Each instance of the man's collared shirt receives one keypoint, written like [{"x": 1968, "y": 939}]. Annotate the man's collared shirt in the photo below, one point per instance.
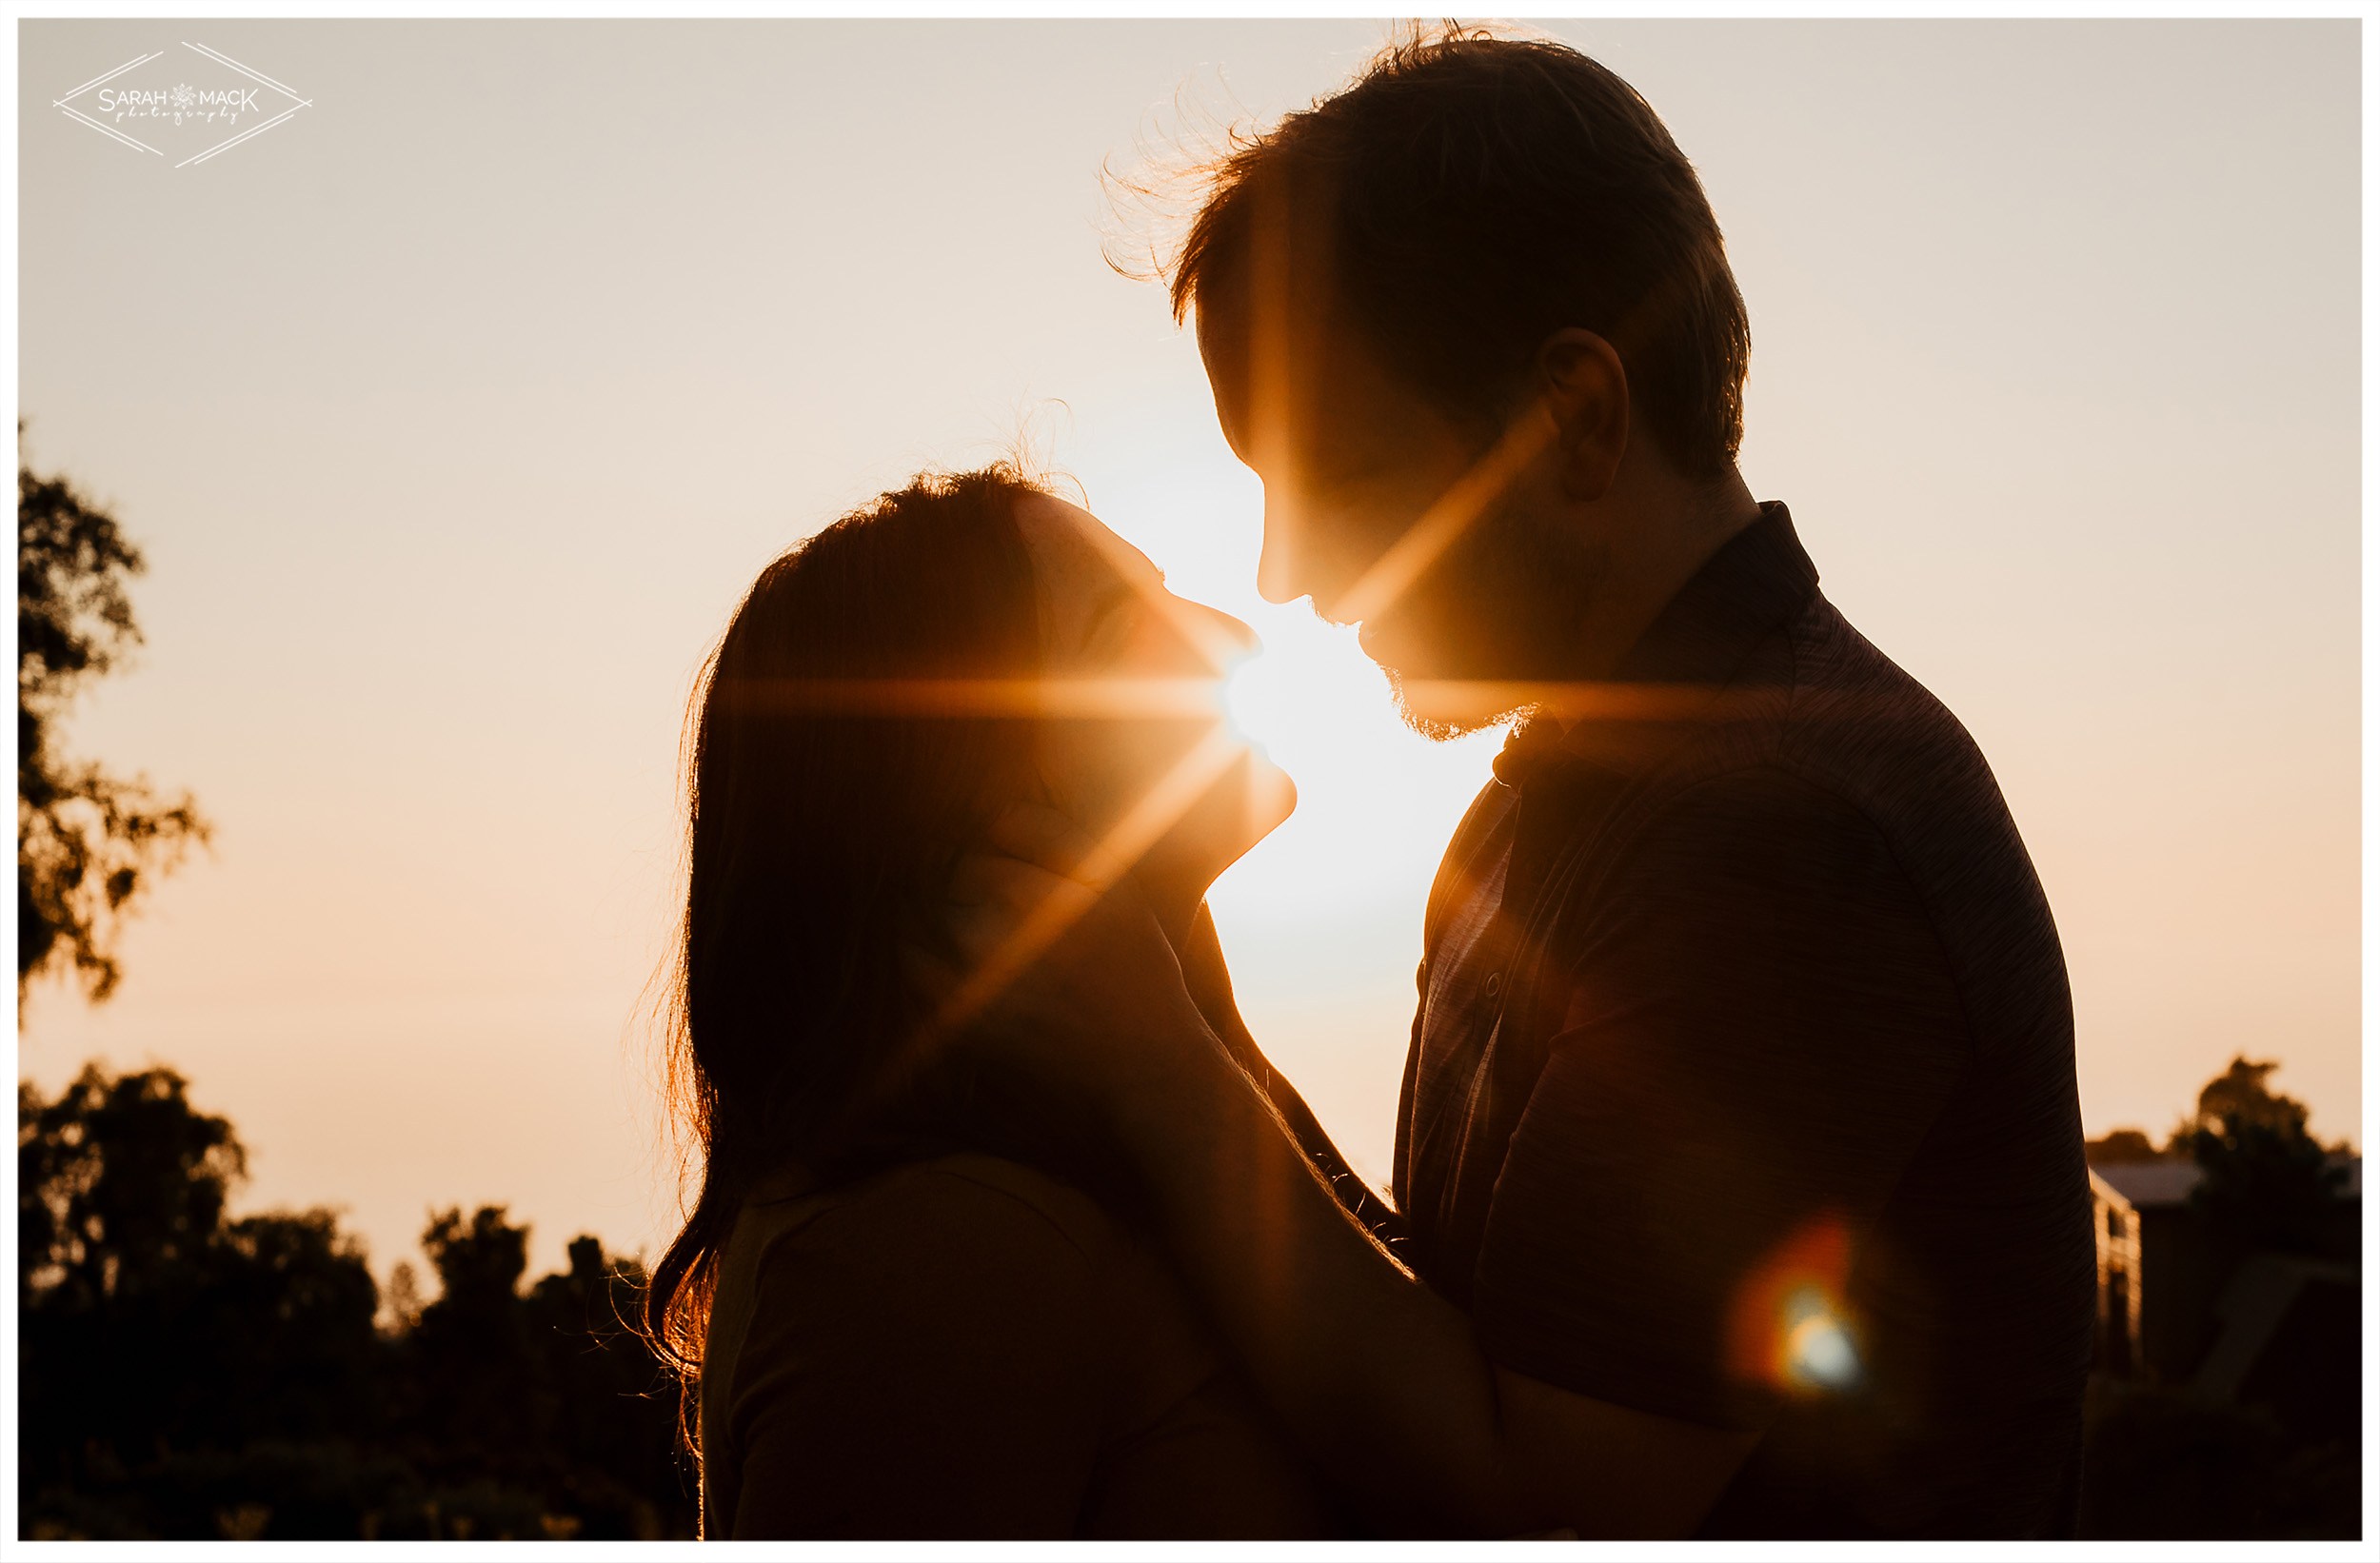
[{"x": 1743, "y": 1085}]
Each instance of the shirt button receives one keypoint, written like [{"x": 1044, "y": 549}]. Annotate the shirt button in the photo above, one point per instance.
[{"x": 1495, "y": 984}]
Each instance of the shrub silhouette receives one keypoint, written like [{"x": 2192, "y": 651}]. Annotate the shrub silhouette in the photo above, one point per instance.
[{"x": 190, "y": 1375}]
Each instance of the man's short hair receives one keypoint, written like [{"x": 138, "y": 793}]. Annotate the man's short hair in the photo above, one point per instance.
[{"x": 1470, "y": 195}]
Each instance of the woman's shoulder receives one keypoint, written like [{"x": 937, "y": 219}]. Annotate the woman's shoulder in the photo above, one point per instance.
[
  {"x": 995, "y": 1188},
  {"x": 961, "y": 1211}
]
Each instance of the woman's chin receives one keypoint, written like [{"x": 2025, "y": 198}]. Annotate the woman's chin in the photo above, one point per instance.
[
  {"x": 1255, "y": 797},
  {"x": 1272, "y": 797},
  {"x": 1246, "y": 803}
]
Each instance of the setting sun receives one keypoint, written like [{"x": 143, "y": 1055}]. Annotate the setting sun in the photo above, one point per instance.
[{"x": 1311, "y": 697}]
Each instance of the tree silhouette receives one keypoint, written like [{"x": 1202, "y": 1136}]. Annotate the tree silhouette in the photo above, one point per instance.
[
  {"x": 2238, "y": 1113},
  {"x": 184, "y": 1373},
  {"x": 88, "y": 842},
  {"x": 2118, "y": 1146},
  {"x": 120, "y": 1185},
  {"x": 2267, "y": 1183},
  {"x": 2240, "y": 1093},
  {"x": 149, "y": 1320},
  {"x": 472, "y": 1343}
]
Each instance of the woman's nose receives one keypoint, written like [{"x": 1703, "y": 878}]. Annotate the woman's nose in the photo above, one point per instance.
[
  {"x": 1244, "y": 639},
  {"x": 1219, "y": 638},
  {"x": 1234, "y": 637}
]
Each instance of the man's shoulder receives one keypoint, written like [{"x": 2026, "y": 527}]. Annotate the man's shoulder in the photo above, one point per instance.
[
  {"x": 1849, "y": 787},
  {"x": 1747, "y": 810},
  {"x": 1822, "y": 776},
  {"x": 1823, "y": 737},
  {"x": 1758, "y": 860},
  {"x": 1856, "y": 723}
]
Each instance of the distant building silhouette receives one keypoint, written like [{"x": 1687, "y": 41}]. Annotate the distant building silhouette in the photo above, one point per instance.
[
  {"x": 2188, "y": 1303},
  {"x": 2116, "y": 1221}
]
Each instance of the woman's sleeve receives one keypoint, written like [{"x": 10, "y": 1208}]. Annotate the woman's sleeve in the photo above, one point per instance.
[{"x": 924, "y": 1362}]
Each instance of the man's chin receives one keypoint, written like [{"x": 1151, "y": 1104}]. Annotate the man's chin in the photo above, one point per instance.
[
  {"x": 1437, "y": 704},
  {"x": 1422, "y": 706}
]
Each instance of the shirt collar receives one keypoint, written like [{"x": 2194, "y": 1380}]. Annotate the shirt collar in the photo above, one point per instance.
[{"x": 1759, "y": 579}]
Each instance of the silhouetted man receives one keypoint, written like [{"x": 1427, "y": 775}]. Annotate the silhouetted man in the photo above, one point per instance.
[{"x": 1739, "y": 1163}]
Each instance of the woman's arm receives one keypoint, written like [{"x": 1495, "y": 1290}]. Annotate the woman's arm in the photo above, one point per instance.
[
  {"x": 1382, "y": 1381},
  {"x": 1208, "y": 978}
]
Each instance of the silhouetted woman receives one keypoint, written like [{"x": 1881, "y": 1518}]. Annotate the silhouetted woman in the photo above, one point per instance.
[{"x": 905, "y": 1287}]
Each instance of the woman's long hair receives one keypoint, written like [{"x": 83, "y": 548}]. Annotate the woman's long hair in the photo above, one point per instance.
[{"x": 829, "y": 801}]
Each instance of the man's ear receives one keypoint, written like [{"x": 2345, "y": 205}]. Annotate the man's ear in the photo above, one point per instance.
[{"x": 1585, "y": 388}]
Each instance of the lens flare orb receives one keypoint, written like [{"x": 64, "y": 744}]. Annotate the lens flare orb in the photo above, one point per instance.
[{"x": 1819, "y": 1353}]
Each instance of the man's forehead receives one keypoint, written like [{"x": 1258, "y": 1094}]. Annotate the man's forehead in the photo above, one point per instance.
[
  {"x": 1276, "y": 358},
  {"x": 1236, "y": 324},
  {"x": 1306, "y": 376}
]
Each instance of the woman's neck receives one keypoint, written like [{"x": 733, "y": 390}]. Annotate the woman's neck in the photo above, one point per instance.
[{"x": 1176, "y": 907}]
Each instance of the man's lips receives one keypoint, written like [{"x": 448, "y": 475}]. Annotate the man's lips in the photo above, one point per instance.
[{"x": 1325, "y": 611}]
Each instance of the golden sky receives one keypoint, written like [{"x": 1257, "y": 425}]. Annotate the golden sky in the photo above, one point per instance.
[{"x": 455, "y": 413}]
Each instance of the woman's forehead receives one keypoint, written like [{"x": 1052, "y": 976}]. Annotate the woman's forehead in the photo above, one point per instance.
[{"x": 1067, "y": 540}]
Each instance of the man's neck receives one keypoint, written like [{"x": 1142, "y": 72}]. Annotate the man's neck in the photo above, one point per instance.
[{"x": 1648, "y": 559}]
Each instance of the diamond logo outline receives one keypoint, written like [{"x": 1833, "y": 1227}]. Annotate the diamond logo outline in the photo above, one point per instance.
[{"x": 64, "y": 102}]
